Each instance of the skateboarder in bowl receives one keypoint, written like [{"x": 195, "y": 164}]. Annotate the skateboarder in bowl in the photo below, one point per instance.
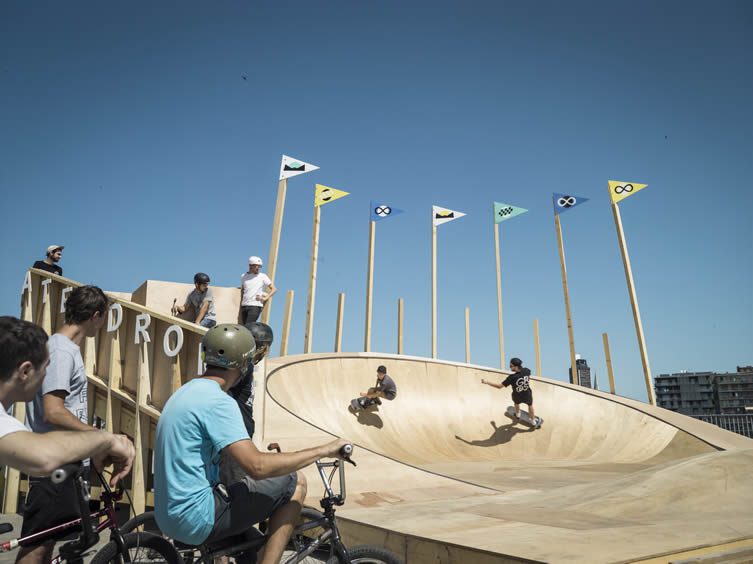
[
  {"x": 384, "y": 388},
  {"x": 521, "y": 391}
]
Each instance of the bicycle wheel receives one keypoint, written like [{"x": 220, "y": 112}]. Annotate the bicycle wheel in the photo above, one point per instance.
[
  {"x": 143, "y": 548},
  {"x": 366, "y": 554},
  {"x": 145, "y": 522}
]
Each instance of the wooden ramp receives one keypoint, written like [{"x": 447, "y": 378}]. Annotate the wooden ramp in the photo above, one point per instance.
[{"x": 444, "y": 476}]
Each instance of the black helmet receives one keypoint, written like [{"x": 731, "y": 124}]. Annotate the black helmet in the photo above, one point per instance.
[
  {"x": 263, "y": 337},
  {"x": 515, "y": 361},
  {"x": 201, "y": 278}
]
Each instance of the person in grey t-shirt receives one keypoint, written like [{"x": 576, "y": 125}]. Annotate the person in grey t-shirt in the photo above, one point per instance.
[
  {"x": 61, "y": 404},
  {"x": 385, "y": 388},
  {"x": 200, "y": 303}
]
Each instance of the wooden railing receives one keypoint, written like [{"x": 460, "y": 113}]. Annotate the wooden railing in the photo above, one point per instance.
[{"x": 135, "y": 362}]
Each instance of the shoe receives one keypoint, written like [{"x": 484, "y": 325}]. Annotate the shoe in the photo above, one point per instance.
[{"x": 537, "y": 422}]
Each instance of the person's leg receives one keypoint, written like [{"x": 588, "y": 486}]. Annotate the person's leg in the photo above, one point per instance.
[
  {"x": 208, "y": 323},
  {"x": 517, "y": 411},
  {"x": 253, "y": 314},
  {"x": 281, "y": 524},
  {"x": 244, "y": 315},
  {"x": 40, "y": 554},
  {"x": 531, "y": 412}
]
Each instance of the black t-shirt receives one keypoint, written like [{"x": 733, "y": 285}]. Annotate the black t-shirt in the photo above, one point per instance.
[
  {"x": 54, "y": 268},
  {"x": 243, "y": 393},
  {"x": 520, "y": 381}
]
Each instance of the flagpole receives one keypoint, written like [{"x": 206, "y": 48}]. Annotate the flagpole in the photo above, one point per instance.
[
  {"x": 634, "y": 304},
  {"x": 499, "y": 297},
  {"x": 573, "y": 375},
  {"x": 308, "y": 337},
  {"x": 369, "y": 286},
  {"x": 433, "y": 289},
  {"x": 274, "y": 244}
]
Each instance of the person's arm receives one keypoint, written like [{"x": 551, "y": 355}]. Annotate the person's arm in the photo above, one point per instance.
[
  {"x": 261, "y": 465},
  {"x": 202, "y": 311},
  {"x": 493, "y": 384},
  {"x": 40, "y": 454},
  {"x": 181, "y": 308},
  {"x": 55, "y": 413},
  {"x": 271, "y": 289}
]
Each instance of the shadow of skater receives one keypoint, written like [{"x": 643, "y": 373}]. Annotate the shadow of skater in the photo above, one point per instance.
[
  {"x": 368, "y": 417},
  {"x": 501, "y": 435}
]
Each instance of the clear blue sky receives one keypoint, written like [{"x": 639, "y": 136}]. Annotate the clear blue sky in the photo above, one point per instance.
[{"x": 128, "y": 134}]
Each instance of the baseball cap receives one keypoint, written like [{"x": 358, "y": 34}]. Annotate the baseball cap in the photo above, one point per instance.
[
  {"x": 254, "y": 260},
  {"x": 52, "y": 248}
]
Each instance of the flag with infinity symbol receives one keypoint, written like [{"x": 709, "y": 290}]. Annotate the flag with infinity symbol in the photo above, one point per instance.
[
  {"x": 325, "y": 195},
  {"x": 380, "y": 211},
  {"x": 503, "y": 212},
  {"x": 293, "y": 167},
  {"x": 564, "y": 202},
  {"x": 621, "y": 190}
]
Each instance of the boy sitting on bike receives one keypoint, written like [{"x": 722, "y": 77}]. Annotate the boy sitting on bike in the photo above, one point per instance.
[{"x": 198, "y": 423}]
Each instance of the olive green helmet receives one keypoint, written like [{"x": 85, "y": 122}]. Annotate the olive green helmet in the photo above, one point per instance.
[{"x": 228, "y": 346}]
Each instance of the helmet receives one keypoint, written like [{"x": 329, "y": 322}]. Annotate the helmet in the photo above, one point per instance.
[
  {"x": 228, "y": 346},
  {"x": 201, "y": 278},
  {"x": 263, "y": 337},
  {"x": 255, "y": 260},
  {"x": 516, "y": 361}
]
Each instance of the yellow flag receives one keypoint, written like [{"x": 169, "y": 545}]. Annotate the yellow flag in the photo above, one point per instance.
[
  {"x": 621, "y": 190},
  {"x": 325, "y": 195}
]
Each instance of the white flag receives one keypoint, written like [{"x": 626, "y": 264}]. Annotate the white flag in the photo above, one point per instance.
[
  {"x": 443, "y": 215},
  {"x": 293, "y": 167}
]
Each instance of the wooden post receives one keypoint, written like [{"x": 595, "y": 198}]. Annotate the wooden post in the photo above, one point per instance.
[
  {"x": 499, "y": 298},
  {"x": 634, "y": 304},
  {"x": 286, "y": 323},
  {"x": 467, "y": 335},
  {"x": 608, "y": 356},
  {"x": 309, "y": 335},
  {"x": 563, "y": 267},
  {"x": 369, "y": 286},
  {"x": 339, "y": 327},
  {"x": 400, "y": 314},
  {"x": 537, "y": 345},
  {"x": 433, "y": 289},
  {"x": 274, "y": 244},
  {"x": 141, "y": 429}
]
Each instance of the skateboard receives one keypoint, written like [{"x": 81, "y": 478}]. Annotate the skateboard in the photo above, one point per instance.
[
  {"x": 524, "y": 417},
  {"x": 359, "y": 404}
]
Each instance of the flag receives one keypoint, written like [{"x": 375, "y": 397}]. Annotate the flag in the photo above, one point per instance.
[
  {"x": 293, "y": 167},
  {"x": 564, "y": 202},
  {"x": 443, "y": 215},
  {"x": 506, "y": 211},
  {"x": 621, "y": 190},
  {"x": 380, "y": 210},
  {"x": 325, "y": 195}
]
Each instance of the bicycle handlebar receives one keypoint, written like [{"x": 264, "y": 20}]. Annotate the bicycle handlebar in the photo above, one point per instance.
[{"x": 65, "y": 472}]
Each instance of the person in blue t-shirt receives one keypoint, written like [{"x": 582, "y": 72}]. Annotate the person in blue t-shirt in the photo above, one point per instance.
[{"x": 197, "y": 424}]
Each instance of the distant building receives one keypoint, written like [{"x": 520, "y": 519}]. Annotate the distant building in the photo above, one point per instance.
[
  {"x": 583, "y": 371},
  {"x": 735, "y": 391}
]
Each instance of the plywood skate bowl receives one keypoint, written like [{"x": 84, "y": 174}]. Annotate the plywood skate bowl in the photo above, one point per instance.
[{"x": 444, "y": 476}]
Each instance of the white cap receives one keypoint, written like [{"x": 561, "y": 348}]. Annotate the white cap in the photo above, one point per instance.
[
  {"x": 254, "y": 260},
  {"x": 52, "y": 248}
]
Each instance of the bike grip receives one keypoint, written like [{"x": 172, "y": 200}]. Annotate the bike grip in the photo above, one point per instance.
[
  {"x": 61, "y": 474},
  {"x": 346, "y": 450}
]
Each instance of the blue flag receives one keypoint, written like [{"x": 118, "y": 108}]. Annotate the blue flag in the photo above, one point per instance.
[
  {"x": 564, "y": 202},
  {"x": 380, "y": 211}
]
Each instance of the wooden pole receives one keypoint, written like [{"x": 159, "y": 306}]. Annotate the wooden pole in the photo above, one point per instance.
[
  {"x": 286, "y": 323},
  {"x": 499, "y": 298},
  {"x": 308, "y": 337},
  {"x": 400, "y": 314},
  {"x": 339, "y": 326},
  {"x": 608, "y": 356},
  {"x": 369, "y": 286},
  {"x": 537, "y": 345},
  {"x": 274, "y": 244},
  {"x": 467, "y": 335},
  {"x": 433, "y": 289},
  {"x": 634, "y": 304},
  {"x": 573, "y": 373}
]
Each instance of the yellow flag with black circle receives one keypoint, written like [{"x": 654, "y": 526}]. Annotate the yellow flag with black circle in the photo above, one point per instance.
[
  {"x": 620, "y": 190},
  {"x": 325, "y": 195}
]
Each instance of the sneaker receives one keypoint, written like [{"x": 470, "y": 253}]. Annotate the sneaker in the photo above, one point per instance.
[{"x": 537, "y": 422}]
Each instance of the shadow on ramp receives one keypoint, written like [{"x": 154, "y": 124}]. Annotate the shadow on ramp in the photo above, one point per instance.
[
  {"x": 500, "y": 436},
  {"x": 368, "y": 418}
]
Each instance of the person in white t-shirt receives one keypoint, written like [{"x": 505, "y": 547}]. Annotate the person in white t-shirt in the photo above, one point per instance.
[
  {"x": 23, "y": 365},
  {"x": 256, "y": 289}
]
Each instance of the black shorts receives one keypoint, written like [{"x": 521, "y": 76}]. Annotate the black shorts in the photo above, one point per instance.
[
  {"x": 249, "y": 502},
  {"x": 523, "y": 397},
  {"x": 250, "y": 314},
  {"x": 49, "y": 505}
]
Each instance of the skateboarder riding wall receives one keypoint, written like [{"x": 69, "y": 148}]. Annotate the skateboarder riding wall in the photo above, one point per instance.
[
  {"x": 385, "y": 388},
  {"x": 521, "y": 391}
]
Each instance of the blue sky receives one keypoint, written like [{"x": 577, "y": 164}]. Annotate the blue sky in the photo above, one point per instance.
[{"x": 129, "y": 135}]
